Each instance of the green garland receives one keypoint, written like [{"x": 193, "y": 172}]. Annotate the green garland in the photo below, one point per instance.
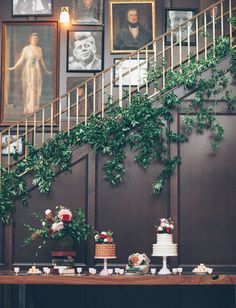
[{"x": 141, "y": 125}]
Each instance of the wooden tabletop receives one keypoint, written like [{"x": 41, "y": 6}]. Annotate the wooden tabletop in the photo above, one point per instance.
[{"x": 118, "y": 280}]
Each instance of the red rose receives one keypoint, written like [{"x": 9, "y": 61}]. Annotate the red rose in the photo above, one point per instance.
[
  {"x": 65, "y": 217},
  {"x": 103, "y": 236},
  {"x": 168, "y": 230}
]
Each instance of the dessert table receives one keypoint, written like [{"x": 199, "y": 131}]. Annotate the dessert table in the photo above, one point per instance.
[{"x": 8, "y": 278}]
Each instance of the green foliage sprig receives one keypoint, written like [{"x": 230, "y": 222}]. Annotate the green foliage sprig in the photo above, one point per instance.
[{"x": 142, "y": 125}]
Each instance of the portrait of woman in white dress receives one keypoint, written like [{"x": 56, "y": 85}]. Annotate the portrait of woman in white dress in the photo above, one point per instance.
[
  {"x": 33, "y": 64},
  {"x": 30, "y": 61}
]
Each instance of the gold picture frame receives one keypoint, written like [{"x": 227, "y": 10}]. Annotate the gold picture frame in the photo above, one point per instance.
[{"x": 132, "y": 24}]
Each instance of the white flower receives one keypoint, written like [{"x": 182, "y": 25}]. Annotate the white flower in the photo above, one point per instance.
[
  {"x": 163, "y": 224},
  {"x": 105, "y": 240},
  {"x": 57, "y": 226},
  {"x": 48, "y": 212},
  {"x": 104, "y": 233},
  {"x": 160, "y": 228},
  {"x": 167, "y": 225},
  {"x": 96, "y": 237},
  {"x": 163, "y": 220},
  {"x": 43, "y": 223},
  {"x": 171, "y": 226}
]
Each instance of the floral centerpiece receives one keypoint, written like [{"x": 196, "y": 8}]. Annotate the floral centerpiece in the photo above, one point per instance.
[
  {"x": 63, "y": 224},
  {"x": 166, "y": 226},
  {"x": 105, "y": 237},
  {"x": 138, "y": 262}
]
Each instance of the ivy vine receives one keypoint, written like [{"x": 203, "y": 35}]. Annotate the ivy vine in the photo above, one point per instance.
[{"x": 142, "y": 125}]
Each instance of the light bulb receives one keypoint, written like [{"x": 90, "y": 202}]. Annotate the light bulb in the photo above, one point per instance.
[{"x": 65, "y": 16}]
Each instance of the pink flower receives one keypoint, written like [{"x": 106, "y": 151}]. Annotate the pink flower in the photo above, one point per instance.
[
  {"x": 134, "y": 260},
  {"x": 109, "y": 239},
  {"x": 65, "y": 215},
  {"x": 57, "y": 226},
  {"x": 48, "y": 212}
]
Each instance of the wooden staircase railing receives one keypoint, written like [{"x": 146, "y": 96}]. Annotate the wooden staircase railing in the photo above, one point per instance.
[{"x": 70, "y": 109}]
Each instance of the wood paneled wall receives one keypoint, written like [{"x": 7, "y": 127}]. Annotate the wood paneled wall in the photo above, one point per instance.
[{"x": 200, "y": 197}]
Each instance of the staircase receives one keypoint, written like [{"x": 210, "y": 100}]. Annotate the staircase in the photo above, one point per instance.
[{"x": 69, "y": 110}]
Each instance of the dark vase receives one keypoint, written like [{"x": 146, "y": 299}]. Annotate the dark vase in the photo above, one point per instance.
[{"x": 63, "y": 244}]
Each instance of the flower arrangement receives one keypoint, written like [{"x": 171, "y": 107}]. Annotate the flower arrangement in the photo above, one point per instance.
[
  {"x": 166, "y": 226},
  {"x": 63, "y": 224},
  {"x": 137, "y": 259},
  {"x": 105, "y": 237}
]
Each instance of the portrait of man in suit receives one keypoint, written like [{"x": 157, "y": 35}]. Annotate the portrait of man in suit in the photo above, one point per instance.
[
  {"x": 83, "y": 53},
  {"x": 132, "y": 25}
]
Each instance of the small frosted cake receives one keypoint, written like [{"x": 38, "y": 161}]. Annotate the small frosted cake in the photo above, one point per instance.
[
  {"x": 164, "y": 245},
  {"x": 138, "y": 263},
  {"x": 104, "y": 246}
]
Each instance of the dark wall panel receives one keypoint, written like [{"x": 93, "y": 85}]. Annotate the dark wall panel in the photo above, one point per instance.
[
  {"x": 130, "y": 210},
  {"x": 207, "y": 199},
  {"x": 1, "y": 243},
  {"x": 69, "y": 190}
]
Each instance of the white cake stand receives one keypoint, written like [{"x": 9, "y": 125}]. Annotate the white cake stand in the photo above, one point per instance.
[
  {"x": 104, "y": 271},
  {"x": 164, "y": 270}
]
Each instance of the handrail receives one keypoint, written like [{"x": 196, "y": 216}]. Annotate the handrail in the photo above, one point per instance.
[{"x": 65, "y": 110}]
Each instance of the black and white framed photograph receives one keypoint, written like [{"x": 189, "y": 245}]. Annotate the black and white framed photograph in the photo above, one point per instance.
[
  {"x": 32, "y": 7},
  {"x": 134, "y": 72},
  {"x": 85, "y": 50},
  {"x": 87, "y": 12},
  {"x": 175, "y": 17},
  {"x": 15, "y": 146},
  {"x": 132, "y": 24}
]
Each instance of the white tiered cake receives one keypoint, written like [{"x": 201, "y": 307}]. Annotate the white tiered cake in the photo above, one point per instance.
[{"x": 164, "y": 247}]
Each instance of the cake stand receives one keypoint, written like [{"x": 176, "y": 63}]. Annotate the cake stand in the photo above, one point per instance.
[
  {"x": 104, "y": 271},
  {"x": 164, "y": 270}
]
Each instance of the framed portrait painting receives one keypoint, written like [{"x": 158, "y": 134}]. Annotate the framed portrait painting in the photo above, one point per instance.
[
  {"x": 29, "y": 68},
  {"x": 175, "y": 17},
  {"x": 134, "y": 72},
  {"x": 132, "y": 24},
  {"x": 32, "y": 7},
  {"x": 84, "y": 50},
  {"x": 88, "y": 12}
]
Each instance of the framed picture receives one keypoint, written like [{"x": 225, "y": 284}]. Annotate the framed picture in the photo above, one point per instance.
[
  {"x": 74, "y": 83},
  {"x": 132, "y": 24},
  {"x": 13, "y": 145},
  {"x": 31, "y": 7},
  {"x": 130, "y": 72},
  {"x": 29, "y": 68},
  {"x": 84, "y": 50},
  {"x": 87, "y": 12},
  {"x": 175, "y": 17}
]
